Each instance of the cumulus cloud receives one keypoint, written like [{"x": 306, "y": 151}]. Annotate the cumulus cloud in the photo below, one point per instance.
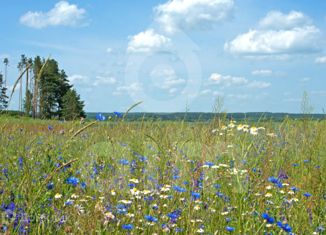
[
  {"x": 262, "y": 72},
  {"x": 177, "y": 15},
  {"x": 278, "y": 20},
  {"x": 320, "y": 60},
  {"x": 77, "y": 79},
  {"x": 278, "y": 34},
  {"x": 166, "y": 78},
  {"x": 147, "y": 41},
  {"x": 228, "y": 81},
  {"x": 63, "y": 13}
]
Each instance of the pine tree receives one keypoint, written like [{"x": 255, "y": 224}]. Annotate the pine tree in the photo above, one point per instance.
[
  {"x": 3, "y": 94},
  {"x": 72, "y": 106}
]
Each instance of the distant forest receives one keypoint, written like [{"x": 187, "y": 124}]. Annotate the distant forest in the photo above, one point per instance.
[{"x": 203, "y": 117}]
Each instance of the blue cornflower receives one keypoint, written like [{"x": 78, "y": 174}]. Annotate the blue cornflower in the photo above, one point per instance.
[
  {"x": 273, "y": 180},
  {"x": 83, "y": 185},
  {"x": 179, "y": 189},
  {"x": 209, "y": 164},
  {"x": 195, "y": 195},
  {"x": 151, "y": 218},
  {"x": 72, "y": 181},
  {"x": 124, "y": 162},
  {"x": 122, "y": 209},
  {"x": 175, "y": 214},
  {"x": 127, "y": 226},
  {"x": 20, "y": 162},
  {"x": 286, "y": 227},
  {"x": 100, "y": 117},
  {"x": 50, "y": 186},
  {"x": 294, "y": 189},
  {"x": 118, "y": 114},
  {"x": 230, "y": 229},
  {"x": 269, "y": 219},
  {"x": 69, "y": 202},
  {"x": 50, "y": 128},
  {"x": 307, "y": 194}
]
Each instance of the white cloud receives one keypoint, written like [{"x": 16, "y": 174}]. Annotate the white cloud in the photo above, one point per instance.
[
  {"x": 77, "y": 79},
  {"x": 63, "y": 13},
  {"x": 262, "y": 72},
  {"x": 101, "y": 80},
  {"x": 292, "y": 33},
  {"x": 147, "y": 41},
  {"x": 278, "y": 20},
  {"x": 321, "y": 60},
  {"x": 177, "y": 15},
  {"x": 166, "y": 78},
  {"x": 228, "y": 80}
]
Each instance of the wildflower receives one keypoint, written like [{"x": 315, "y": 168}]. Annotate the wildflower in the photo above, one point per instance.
[
  {"x": 118, "y": 114},
  {"x": 175, "y": 214},
  {"x": 127, "y": 227},
  {"x": 58, "y": 196},
  {"x": 50, "y": 128},
  {"x": 268, "y": 195},
  {"x": 100, "y": 117},
  {"x": 72, "y": 181},
  {"x": 50, "y": 186},
  {"x": 124, "y": 162},
  {"x": 69, "y": 202},
  {"x": 150, "y": 218},
  {"x": 195, "y": 195},
  {"x": 286, "y": 227},
  {"x": 253, "y": 130},
  {"x": 200, "y": 230},
  {"x": 307, "y": 195},
  {"x": 179, "y": 189},
  {"x": 229, "y": 229},
  {"x": 135, "y": 181},
  {"x": 83, "y": 185},
  {"x": 269, "y": 219}
]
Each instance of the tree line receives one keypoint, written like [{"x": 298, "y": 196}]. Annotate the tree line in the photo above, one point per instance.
[{"x": 47, "y": 91}]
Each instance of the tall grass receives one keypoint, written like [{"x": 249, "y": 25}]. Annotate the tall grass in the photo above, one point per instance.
[{"x": 153, "y": 177}]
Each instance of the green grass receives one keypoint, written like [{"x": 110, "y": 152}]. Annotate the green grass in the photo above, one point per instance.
[{"x": 234, "y": 191}]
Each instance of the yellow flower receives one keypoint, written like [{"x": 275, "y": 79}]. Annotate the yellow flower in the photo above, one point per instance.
[
  {"x": 135, "y": 181},
  {"x": 58, "y": 196}
]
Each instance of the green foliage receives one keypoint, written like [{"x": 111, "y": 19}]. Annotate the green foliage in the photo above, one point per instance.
[
  {"x": 72, "y": 106},
  {"x": 3, "y": 95}
]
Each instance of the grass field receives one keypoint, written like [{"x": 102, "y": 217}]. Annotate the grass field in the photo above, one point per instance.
[{"x": 117, "y": 177}]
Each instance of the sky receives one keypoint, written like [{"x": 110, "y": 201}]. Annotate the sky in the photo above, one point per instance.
[{"x": 176, "y": 55}]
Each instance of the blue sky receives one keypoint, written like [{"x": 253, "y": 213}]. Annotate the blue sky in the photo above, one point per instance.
[{"x": 178, "y": 54}]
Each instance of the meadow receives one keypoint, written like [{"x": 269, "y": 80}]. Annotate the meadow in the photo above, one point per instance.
[{"x": 157, "y": 177}]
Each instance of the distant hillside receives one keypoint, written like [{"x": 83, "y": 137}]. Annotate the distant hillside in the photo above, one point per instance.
[{"x": 197, "y": 116}]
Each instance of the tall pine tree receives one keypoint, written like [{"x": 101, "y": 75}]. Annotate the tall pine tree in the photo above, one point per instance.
[{"x": 72, "y": 106}]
